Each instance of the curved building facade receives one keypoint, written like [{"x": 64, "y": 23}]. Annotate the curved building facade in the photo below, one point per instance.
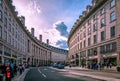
[
  {"x": 94, "y": 38},
  {"x": 20, "y": 45}
]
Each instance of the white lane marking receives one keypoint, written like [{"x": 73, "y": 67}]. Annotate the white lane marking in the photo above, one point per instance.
[
  {"x": 45, "y": 69},
  {"x": 42, "y": 73}
]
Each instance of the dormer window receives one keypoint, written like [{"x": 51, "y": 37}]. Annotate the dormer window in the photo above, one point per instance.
[
  {"x": 95, "y": 17},
  {"x": 102, "y": 11},
  {"x": 94, "y": 2},
  {"x": 80, "y": 17},
  {"x": 88, "y": 8},
  {"x": 112, "y": 3},
  {"x": 84, "y": 13}
]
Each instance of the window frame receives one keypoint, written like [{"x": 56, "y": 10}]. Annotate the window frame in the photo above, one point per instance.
[
  {"x": 112, "y": 16},
  {"x": 112, "y": 3},
  {"x": 112, "y": 32},
  {"x": 102, "y": 35},
  {"x": 102, "y": 22}
]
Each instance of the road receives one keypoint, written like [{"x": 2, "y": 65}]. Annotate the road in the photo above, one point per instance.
[{"x": 48, "y": 74}]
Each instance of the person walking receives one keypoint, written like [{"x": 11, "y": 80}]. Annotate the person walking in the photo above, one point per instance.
[{"x": 8, "y": 72}]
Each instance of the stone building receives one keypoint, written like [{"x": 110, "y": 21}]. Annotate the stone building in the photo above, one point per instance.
[
  {"x": 94, "y": 38},
  {"x": 20, "y": 45}
]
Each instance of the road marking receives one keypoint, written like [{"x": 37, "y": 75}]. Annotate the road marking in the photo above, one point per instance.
[
  {"x": 45, "y": 69},
  {"x": 42, "y": 73}
]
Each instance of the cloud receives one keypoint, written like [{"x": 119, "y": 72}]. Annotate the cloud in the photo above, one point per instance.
[
  {"x": 62, "y": 28},
  {"x": 62, "y": 44},
  {"x": 57, "y": 35}
]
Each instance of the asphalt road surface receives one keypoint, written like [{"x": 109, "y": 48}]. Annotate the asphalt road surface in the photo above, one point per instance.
[{"x": 47, "y": 74}]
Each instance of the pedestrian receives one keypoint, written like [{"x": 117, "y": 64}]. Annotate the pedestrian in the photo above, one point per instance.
[
  {"x": 20, "y": 69},
  {"x": 8, "y": 72},
  {"x": 15, "y": 69},
  {"x": 110, "y": 65},
  {"x": 12, "y": 69}
]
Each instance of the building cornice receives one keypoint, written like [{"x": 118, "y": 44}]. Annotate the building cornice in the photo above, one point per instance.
[
  {"x": 34, "y": 39},
  {"x": 83, "y": 19}
]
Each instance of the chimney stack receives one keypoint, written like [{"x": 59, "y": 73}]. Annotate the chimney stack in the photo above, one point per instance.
[
  {"x": 40, "y": 38},
  {"x": 47, "y": 41},
  {"x": 22, "y": 19},
  {"x": 32, "y": 31}
]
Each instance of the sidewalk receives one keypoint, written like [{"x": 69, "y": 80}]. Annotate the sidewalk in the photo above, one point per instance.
[
  {"x": 21, "y": 77},
  {"x": 112, "y": 70},
  {"x": 99, "y": 74}
]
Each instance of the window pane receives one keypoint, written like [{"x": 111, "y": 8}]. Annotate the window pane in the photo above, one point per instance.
[
  {"x": 89, "y": 41},
  {"x": 112, "y": 3},
  {"x": 102, "y": 11},
  {"x": 95, "y": 38},
  {"x": 102, "y": 35},
  {"x": 102, "y": 22},
  {"x": 112, "y": 31},
  {"x": 114, "y": 47},
  {"x": 95, "y": 27},
  {"x": 112, "y": 16}
]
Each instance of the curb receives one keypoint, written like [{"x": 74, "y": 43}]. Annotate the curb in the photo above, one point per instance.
[
  {"x": 96, "y": 77},
  {"x": 21, "y": 77}
]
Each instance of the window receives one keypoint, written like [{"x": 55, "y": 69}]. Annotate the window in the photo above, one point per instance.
[
  {"x": 1, "y": 15},
  {"x": 9, "y": 39},
  {"x": 89, "y": 41},
  {"x": 102, "y": 11},
  {"x": 112, "y": 16},
  {"x": 102, "y": 22},
  {"x": 89, "y": 31},
  {"x": 13, "y": 31},
  {"x": 5, "y": 24},
  {"x": 112, "y": 3},
  {"x": 95, "y": 17},
  {"x": 88, "y": 22},
  {"x": 102, "y": 35},
  {"x": 94, "y": 27},
  {"x": 108, "y": 48},
  {"x": 80, "y": 36},
  {"x": 81, "y": 45},
  {"x": 84, "y": 43},
  {"x": 0, "y": 32},
  {"x": 5, "y": 33},
  {"x": 94, "y": 51},
  {"x": 84, "y": 34},
  {"x": 112, "y": 30},
  {"x": 95, "y": 39},
  {"x": 9, "y": 27},
  {"x": 89, "y": 52},
  {"x": 114, "y": 47},
  {"x": 102, "y": 49}
]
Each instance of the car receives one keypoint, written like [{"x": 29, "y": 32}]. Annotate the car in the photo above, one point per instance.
[
  {"x": 55, "y": 65},
  {"x": 61, "y": 66}
]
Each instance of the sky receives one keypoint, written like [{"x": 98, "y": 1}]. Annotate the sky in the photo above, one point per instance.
[{"x": 53, "y": 19}]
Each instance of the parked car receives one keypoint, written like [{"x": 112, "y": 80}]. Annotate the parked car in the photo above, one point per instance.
[
  {"x": 61, "y": 66},
  {"x": 55, "y": 65}
]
